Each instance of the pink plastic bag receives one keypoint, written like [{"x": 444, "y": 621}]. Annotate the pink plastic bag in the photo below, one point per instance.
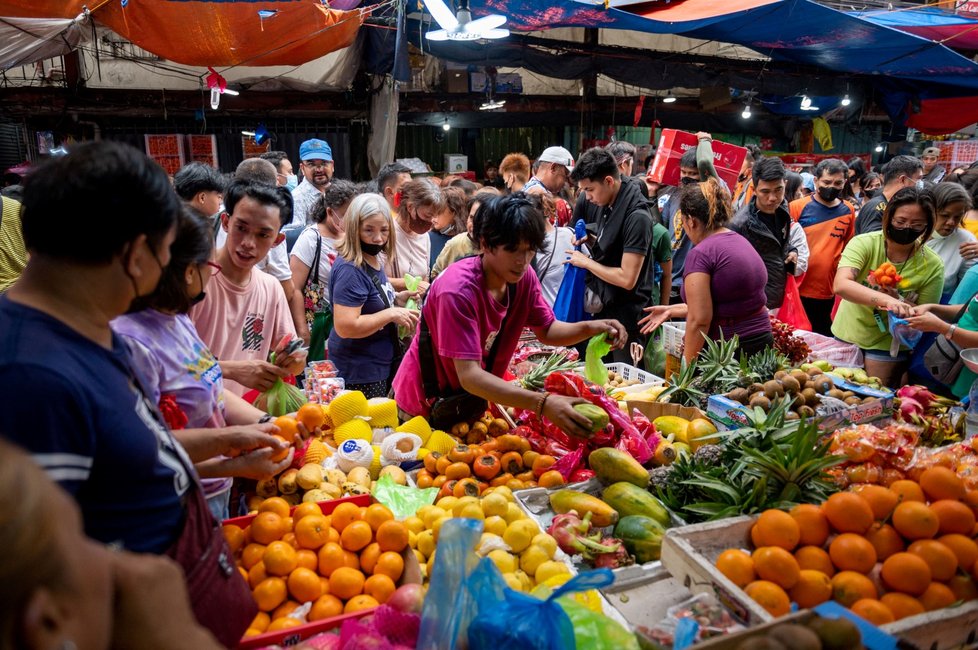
[
  {"x": 792, "y": 312},
  {"x": 570, "y": 463}
]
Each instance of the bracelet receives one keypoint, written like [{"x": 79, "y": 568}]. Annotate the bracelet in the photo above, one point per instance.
[
  {"x": 949, "y": 334},
  {"x": 543, "y": 402},
  {"x": 265, "y": 418}
]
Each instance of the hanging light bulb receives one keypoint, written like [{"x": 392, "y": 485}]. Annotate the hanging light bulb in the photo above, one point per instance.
[
  {"x": 879, "y": 148},
  {"x": 845, "y": 100},
  {"x": 215, "y": 98},
  {"x": 806, "y": 102},
  {"x": 746, "y": 114},
  {"x": 668, "y": 99},
  {"x": 446, "y": 126}
]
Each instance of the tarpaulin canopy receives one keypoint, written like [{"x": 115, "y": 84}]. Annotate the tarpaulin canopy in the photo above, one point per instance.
[
  {"x": 26, "y": 40},
  {"x": 214, "y": 32},
  {"x": 954, "y": 30}
]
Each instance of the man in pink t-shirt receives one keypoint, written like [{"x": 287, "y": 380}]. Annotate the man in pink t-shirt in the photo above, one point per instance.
[
  {"x": 245, "y": 312},
  {"x": 479, "y": 299}
]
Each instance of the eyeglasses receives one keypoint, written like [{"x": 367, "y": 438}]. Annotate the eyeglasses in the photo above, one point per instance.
[
  {"x": 322, "y": 164},
  {"x": 215, "y": 267}
]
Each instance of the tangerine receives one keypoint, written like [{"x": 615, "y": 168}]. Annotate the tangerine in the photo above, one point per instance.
[
  {"x": 312, "y": 531},
  {"x": 307, "y": 559},
  {"x": 326, "y": 606},
  {"x": 848, "y": 513},
  {"x": 306, "y": 509},
  {"x": 234, "y": 536},
  {"x": 907, "y": 490},
  {"x": 813, "y": 588},
  {"x": 953, "y": 517},
  {"x": 284, "y": 609},
  {"x": 851, "y": 552},
  {"x": 380, "y": 587},
  {"x": 774, "y": 564},
  {"x": 902, "y": 605},
  {"x": 356, "y": 536},
  {"x": 914, "y": 520},
  {"x": 392, "y": 536},
  {"x": 937, "y": 596},
  {"x": 376, "y": 514},
  {"x": 769, "y": 596},
  {"x": 311, "y": 416},
  {"x": 280, "y": 559},
  {"x": 281, "y": 455},
  {"x": 331, "y": 558},
  {"x": 368, "y": 557},
  {"x": 812, "y": 524},
  {"x": 345, "y": 583},
  {"x": 287, "y": 427},
  {"x": 849, "y": 587},
  {"x": 390, "y": 564},
  {"x": 284, "y": 623},
  {"x": 351, "y": 559},
  {"x": 270, "y": 593},
  {"x": 278, "y": 505},
  {"x": 942, "y": 561},
  {"x": 963, "y": 587},
  {"x": 941, "y": 483},
  {"x": 251, "y": 555},
  {"x": 304, "y": 585},
  {"x": 359, "y": 603},
  {"x": 881, "y": 500},
  {"x": 814, "y": 558},
  {"x": 873, "y": 611},
  {"x": 906, "y": 572},
  {"x": 963, "y": 547},
  {"x": 344, "y": 515},
  {"x": 885, "y": 540},
  {"x": 267, "y": 527},
  {"x": 256, "y": 574},
  {"x": 260, "y": 622},
  {"x": 777, "y": 528},
  {"x": 738, "y": 566}
]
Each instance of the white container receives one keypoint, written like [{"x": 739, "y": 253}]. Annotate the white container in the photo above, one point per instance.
[{"x": 456, "y": 162}]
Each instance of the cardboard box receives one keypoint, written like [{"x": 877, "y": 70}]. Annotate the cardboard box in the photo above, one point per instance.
[
  {"x": 456, "y": 78},
  {"x": 455, "y": 163},
  {"x": 506, "y": 82},
  {"x": 727, "y": 158},
  {"x": 653, "y": 410}
]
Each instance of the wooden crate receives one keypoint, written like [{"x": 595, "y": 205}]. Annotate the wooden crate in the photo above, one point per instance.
[{"x": 689, "y": 553}]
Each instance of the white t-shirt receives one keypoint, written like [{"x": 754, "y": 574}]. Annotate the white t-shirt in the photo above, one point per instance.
[
  {"x": 550, "y": 268},
  {"x": 412, "y": 255},
  {"x": 276, "y": 263},
  {"x": 948, "y": 248},
  {"x": 305, "y": 250},
  {"x": 303, "y": 197}
]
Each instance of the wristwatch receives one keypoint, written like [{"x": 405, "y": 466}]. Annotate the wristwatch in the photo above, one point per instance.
[
  {"x": 949, "y": 334},
  {"x": 266, "y": 418}
]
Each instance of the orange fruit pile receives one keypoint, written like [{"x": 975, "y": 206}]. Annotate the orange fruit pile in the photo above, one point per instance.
[
  {"x": 884, "y": 552},
  {"x": 343, "y": 562}
]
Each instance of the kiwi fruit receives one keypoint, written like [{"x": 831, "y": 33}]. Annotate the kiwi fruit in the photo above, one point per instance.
[
  {"x": 800, "y": 376},
  {"x": 790, "y": 384},
  {"x": 815, "y": 371},
  {"x": 823, "y": 384},
  {"x": 779, "y": 375},
  {"x": 739, "y": 395},
  {"x": 755, "y": 388},
  {"x": 808, "y": 384},
  {"x": 811, "y": 397},
  {"x": 852, "y": 401},
  {"x": 836, "y": 633},
  {"x": 835, "y": 393},
  {"x": 799, "y": 401},
  {"x": 791, "y": 416},
  {"x": 806, "y": 412},
  {"x": 847, "y": 394},
  {"x": 773, "y": 389},
  {"x": 761, "y": 643},
  {"x": 760, "y": 399},
  {"x": 796, "y": 637}
]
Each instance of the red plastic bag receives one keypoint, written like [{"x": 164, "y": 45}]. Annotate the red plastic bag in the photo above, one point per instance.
[
  {"x": 792, "y": 312},
  {"x": 570, "y": 463}
]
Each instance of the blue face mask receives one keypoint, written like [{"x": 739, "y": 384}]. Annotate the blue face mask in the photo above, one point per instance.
[{"x": 291, "y": 182}]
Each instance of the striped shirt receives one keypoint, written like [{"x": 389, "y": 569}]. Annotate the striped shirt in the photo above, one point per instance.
[{"x": 13, "y": 253}]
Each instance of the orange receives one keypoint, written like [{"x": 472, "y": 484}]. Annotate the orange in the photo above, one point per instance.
[
  {"x": 813, "y": 588},
  {"x": 284, "y": 609},
  {"x": 312, "y": 531},
  {"x": 280, "y": 559},
  {"x": 941, "y": 483},
  {"x": 902, "y": 605},
  {"x": 235, "y": 537},
  {"x": 324, "y": 583},
  {"x": 962, "y": 546},
  {"x": 256, "y": 574},
  {"x": 392, "y": 536},
  {"x": 289, "y": 538},
  {"x": 306, "y": 509},
  {"x": 368, "y": 557},
  {"x": 776, "y": 565},
  {"x": 345, "y": 583},
  {"x": 737, "y": 566},
  {"x": 344, "y": 515},
  {"x": 963, "y": 587},
  {"x": 391, "y": 565},
  {"x": 252, "y": 632},
  {"x": 848, "y": 513},
  {"x": 282, "y": 454},
  {"x": 287, "y": 429},
  {"x": 942, "y": 561},
  {"x": 812, "y": 524},
  {"x": 267, "y": 527},
  {"x": 351, "y": 560},
  {"x": 777, "y": 528},
  {"x": 937, "y": 596},
  {"x": 906, "y": 572},
  {"x": 914, "y": 520},
  {"x": 331, "y": 558},
  {"x": 359, "y": 603},
  {"x": 311, "y": 416},
  {"x": 380, "y": 587},
  {"x": 356, "y": 536},
  {"x": 326, "y": 606},
  {"x": 243, "y": 573},
  {"x": 304, "y": 585},
  {"x": 307, "y": 559},
  {"x": 270, "y": 593},
  {"x": 551, "y": 478},
  {"x": 885, "y": 540},
  {"x": 769, "y": 596},
  {"x": 849, "y": 586},
  {"x": 851, "y": 552},
  {"x": 284, "y": 623},
  {"x": 260, "y": 622},
  {"x": 753, "y": 537},
  {"x": 814, "y": 558},
  {"x": 873, "y": 611},
  {"x": 376, "y": 515},
  {"x": 953, "y": 517},
  {"x": 907, "y": 490},
  {"x": 881, "y": 500},
  {"x": 252, "y": 554},
  {"x": 278, "y": 505}
]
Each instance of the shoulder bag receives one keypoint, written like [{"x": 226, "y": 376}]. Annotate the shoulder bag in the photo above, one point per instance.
[
  {"x": 400, "y": 345},
  {"x": 319, "y": 317},
  {"x": 943, "y": 357},
  {"x": 448, "y": 407}
]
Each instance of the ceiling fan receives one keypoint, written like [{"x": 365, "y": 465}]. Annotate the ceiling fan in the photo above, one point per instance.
[{"x": 460, "y": 26}]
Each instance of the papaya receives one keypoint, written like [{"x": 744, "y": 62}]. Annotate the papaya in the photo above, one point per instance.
[
  {"x": 642, "y": 537},
  {"x": 612, "y": 466},
  {"x": 672, "y": 425},
  {"x": 699, "y": 432},
  {"x": 598, "y": 416},
  {"x": 602, "y": 514},
  {"x": 628, "y": 500}
]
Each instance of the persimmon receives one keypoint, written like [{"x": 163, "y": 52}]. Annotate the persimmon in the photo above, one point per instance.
[{"x": 486, "y": 467}]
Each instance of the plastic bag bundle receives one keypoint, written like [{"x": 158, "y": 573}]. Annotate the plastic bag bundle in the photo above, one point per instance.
[
  {"x": 281, "y": 399},
  {"x": 354, "y": 453}
]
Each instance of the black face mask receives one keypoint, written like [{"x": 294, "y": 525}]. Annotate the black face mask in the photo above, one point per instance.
[
  {"x": 199, "y": 298},
  {"x": 871, "y": 194},
  {"x": 371, "y": 249},
  {"x": 829, "y": 194},
  {"x": 686, "y": 180},
  {"x": 903, "y": 236}
]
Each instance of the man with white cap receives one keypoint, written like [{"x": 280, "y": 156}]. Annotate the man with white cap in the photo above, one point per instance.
[
  {"x": 932, "y": 171},
  {"x": 317, "y": 173},
  {"x": 551, "y": 171}
]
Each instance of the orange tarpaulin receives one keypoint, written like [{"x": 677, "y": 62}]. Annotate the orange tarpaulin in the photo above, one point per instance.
[{"x": 214, "y": 32}]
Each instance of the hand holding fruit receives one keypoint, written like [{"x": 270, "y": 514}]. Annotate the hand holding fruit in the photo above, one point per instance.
[
  {"x": 560, "y": 411},
  {"x": 244, "y": 438},
  {"x": 258, "y": 465}
]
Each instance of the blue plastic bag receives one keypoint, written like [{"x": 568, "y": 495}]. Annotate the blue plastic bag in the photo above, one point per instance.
[
  {"x": 449, "y": 606},
  {"x": 902, "y": 332},
  {"x": 569, "y": 303}
]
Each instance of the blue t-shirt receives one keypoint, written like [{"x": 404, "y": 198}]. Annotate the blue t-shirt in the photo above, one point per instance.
[
  {"x": 367, "y": 360},
  {"x": 76, "y": 408},
  {"x": 681, "y": 244},
  {"x": 438, "y": 242}
]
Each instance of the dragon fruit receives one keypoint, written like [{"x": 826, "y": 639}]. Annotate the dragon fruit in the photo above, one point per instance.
[
  {"x": 612, "y": 559},
  {"x": 574, "y": 536}
]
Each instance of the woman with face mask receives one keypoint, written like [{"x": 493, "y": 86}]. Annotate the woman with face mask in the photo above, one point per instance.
[
  {"x": 447, "y": 223},
  {"x": 180, "y": 372},
  {"x": 366, "y": 315},
  {"x": 862, "y": 318},
  {"x": 957, "y": 247}
]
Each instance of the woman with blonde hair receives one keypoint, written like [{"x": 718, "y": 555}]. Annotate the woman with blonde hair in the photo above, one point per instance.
[
  {"x": 366, "y": 315},
  {"x": 723, "y": 278}
]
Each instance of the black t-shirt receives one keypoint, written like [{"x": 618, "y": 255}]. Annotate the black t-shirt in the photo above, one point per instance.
[{"x": 870, "y": 218}]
